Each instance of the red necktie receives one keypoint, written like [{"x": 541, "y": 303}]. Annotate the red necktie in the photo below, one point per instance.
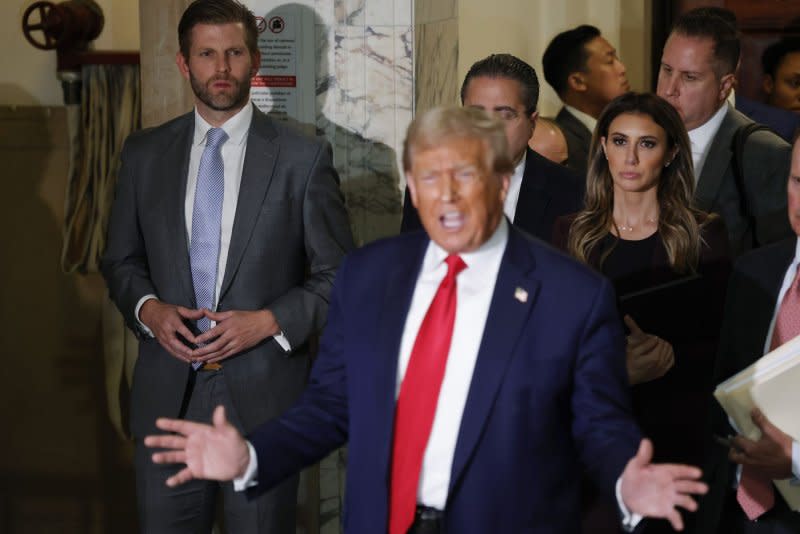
[
  {"x": 755, "y": 493},
  {"x": 419, "y": 394}
]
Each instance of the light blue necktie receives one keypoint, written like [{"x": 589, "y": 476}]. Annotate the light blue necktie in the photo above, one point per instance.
[{"x": 206, "y": 224}]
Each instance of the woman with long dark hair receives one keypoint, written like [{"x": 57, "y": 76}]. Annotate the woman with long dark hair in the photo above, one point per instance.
[{"x": 668, "y": 261}]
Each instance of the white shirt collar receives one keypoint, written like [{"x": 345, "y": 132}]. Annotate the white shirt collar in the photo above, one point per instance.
[
  {"x": 586, "y": 119},
  {"x": 236, "y": 127},
  {"x": 493, "y": 247},
  {"x": 701, "y": 138},
  {"x": 514, "y": 187}
]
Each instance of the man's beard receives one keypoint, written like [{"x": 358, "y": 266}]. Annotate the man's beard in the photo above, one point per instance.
[{"x": 224, "y": 101}]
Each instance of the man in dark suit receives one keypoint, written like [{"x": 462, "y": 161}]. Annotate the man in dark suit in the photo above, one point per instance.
[
  {"x": 760, "y": 286},
  {"x": 586, "y": 73},
  {"x": 784, "y": 123},
  {"x": 697, "y": 72},
  {"x": 472, "y": 369},
  {"x": 225, "y": 235},
  {"x": 540, "y": 190}
]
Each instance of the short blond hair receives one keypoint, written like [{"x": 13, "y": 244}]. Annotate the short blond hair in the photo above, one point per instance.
[{"x": 433, "y": 127}]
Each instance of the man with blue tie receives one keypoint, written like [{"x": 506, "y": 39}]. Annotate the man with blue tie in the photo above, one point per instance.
[
  {"x": 225, "y": 235},
  {"x": 472, "y": 370}
]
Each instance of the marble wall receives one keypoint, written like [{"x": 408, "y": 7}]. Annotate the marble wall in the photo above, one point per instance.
[
  {"x": 436, "y": 47},
  {"x": 364, "y": 102}
]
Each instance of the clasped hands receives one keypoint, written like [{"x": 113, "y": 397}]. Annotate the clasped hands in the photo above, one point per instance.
[
  {"x": 235, "y": 331},
  {"x": 648, "y": 356}
]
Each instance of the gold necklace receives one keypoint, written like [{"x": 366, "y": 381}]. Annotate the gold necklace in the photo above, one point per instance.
[{"x": 625, "y": 228}]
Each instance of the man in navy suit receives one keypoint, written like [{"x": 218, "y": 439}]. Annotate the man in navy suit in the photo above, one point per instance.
[
  {"x": 532, "y": 387},
  {"x": 540, "y": 190}
]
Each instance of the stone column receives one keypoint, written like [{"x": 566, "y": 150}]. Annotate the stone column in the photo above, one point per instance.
[{"x": 165, "y": 94}]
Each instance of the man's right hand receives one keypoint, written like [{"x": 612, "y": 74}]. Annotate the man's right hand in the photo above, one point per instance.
[{"x": 166, "y": 322}]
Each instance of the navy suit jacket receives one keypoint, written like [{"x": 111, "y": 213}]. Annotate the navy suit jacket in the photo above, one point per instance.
[
  {"x": 784, "y": 122},
  {"x": 548, "y": 191},
  {"x": 549, "y": 392}
]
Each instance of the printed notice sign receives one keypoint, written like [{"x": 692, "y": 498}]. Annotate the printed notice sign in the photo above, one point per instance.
[{"x": 285, "y": 84}]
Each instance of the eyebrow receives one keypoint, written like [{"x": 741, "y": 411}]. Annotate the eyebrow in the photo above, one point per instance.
[{"x": 648, "y": 136}]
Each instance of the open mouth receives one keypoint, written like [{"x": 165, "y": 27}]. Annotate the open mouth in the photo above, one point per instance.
[{"x": 452, "y": 220}]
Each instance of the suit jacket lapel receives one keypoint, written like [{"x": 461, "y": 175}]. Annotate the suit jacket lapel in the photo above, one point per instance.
[
  {"x": 176, "y": 156},
  {"x": 534, "y": 195},
  {"x": 717, "y": 162},
  {"x": 257, "y": 171},
  {"x": 388, "y": 335},
  {"x": 505, "y": 323},
  {"x": 571, "y": 123}
]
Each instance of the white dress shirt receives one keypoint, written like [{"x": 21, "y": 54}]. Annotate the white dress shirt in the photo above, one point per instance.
[
  {"x": 515, "y": 184},
  {"x": 233, "y": 152},
  {"x": 475, "y": 286},
  {"x": 586, "y": 119},
  {"x": 788, "y": 278},
  {"x": 701, "y": 137}
]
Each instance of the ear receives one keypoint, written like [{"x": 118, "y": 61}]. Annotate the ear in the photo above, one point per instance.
[
  {"x": 255, "y": 58},
  {"x": 183, "y": 64},
  {"x": 577, "y": 82},
  {"x": 726, "y": 83},
  {"x": 768, "y": 84},
  {"x": 603, "y": 146},
  {"x": 671, "y": 157},
  {"x": 505, "y": 184},
  {"x": 533, "y": 117},
  {"x": 411, "y": 184}
]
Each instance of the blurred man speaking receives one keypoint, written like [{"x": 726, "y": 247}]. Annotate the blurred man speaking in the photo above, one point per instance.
[{"x": 473, "y": 371}]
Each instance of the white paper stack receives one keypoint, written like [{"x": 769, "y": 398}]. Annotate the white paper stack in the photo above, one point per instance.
[{"x": 772, "y": 384}]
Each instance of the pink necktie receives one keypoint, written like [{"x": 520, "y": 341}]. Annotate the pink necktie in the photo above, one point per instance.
[
  {"x": 755, "y": 493},
  {"x": 419, "y": 394}
]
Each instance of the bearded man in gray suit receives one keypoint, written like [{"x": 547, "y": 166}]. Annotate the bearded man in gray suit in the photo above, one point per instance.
[
  {"x": 225, "y": 235},
  {"x": 748, "y": 189}
]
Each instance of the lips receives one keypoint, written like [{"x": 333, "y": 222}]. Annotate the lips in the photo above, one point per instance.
[{"x": 630, "y": 175}]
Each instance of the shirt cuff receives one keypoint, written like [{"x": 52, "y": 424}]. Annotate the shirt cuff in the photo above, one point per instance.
[
  {"x": 795, "y": 463},
  {"x": 283, "y": 341},
  {"x": 629, "y": 520},
  {"x": 139, "y": 305},
  {"x": 248, "y": 479}
]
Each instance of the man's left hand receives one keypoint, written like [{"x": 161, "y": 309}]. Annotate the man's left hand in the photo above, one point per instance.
[
  {"x": 771, "y": 455},
  {"x": 656, "y": 490},
  {"x": 234, "y": 332}
]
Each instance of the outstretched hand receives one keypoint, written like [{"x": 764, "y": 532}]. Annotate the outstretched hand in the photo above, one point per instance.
[
  {"x": 655, "y": 490},
  {"x": 213, "y": 452}
]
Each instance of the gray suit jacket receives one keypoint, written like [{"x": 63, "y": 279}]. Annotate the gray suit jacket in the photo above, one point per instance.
[
  {"x": 766, "y": 161},
  {"x": 579, "y": 137},
  {"x": 290, "y": 233}
]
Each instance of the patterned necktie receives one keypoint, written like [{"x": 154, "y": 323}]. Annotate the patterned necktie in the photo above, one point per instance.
[
  {"x": 419, "y": 394},
  {"x": 206, "y": 224},
  {"x": 755, "y": 493}
]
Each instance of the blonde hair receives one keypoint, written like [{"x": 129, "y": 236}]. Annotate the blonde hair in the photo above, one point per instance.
[{"x": 433, "y": 127}]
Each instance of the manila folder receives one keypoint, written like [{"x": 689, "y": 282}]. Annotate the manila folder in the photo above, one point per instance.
[{"x": 772, "y": 384}]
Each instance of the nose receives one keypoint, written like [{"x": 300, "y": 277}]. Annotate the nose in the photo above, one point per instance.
[
  {"x": 632, "y": 154},
  {"x": 671, "y": 85},
  {"x": 223, "y": 64},
  {"x": 449, "y": 188}
]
